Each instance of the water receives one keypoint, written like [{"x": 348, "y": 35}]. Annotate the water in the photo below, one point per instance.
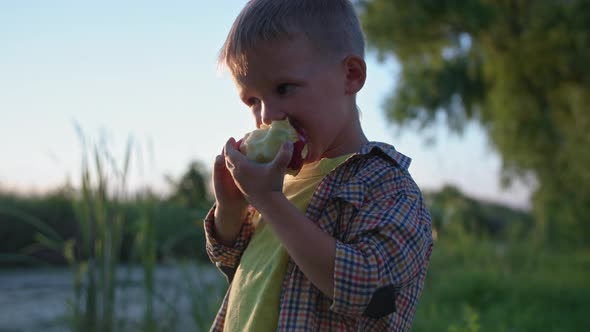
[{"x": 36, "y": 299}]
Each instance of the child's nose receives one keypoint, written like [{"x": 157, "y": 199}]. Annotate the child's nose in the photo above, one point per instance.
[{"x": 270, "y": 113}]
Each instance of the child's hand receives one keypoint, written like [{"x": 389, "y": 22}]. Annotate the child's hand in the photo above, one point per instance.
[
  {"x": 229, "y": 200},
  {"x": 256, "y": 180},
  {"x": 231, "y": 205}
]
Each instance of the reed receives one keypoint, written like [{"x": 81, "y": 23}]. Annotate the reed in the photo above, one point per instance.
[
  {"x": 103, "y": 222},
  {"x": 146, "y": 253},
  {"x": 108, "y": 217},
  {"x": 100, "y": 216}
]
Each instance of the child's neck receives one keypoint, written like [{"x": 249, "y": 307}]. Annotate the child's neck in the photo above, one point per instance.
[{"x": 350, "y": 142}]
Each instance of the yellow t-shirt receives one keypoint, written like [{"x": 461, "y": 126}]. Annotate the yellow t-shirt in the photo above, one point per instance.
[{"x": 253, "y": 303}]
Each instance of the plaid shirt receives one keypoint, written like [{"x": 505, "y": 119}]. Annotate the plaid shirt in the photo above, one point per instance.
[{"x": 377, "y": 214}]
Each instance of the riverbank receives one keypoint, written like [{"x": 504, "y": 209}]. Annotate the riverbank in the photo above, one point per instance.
[{"x": 38, "y": 299}]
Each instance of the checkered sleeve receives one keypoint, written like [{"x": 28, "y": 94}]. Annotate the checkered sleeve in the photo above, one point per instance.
[
  {"x": 391, "y": 245},
  {"x": 224, "y": 257}
]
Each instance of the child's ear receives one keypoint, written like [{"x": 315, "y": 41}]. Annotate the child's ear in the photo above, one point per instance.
[{"x": 355, "y": 70}]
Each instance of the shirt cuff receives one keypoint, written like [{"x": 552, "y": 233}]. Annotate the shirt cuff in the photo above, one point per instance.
[{"x": 223, "y": 255}]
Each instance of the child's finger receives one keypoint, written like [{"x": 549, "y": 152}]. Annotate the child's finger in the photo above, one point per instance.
[
  {"x": 283, "y": 157},
  {"x": 229, "y": 145},
  {"x": 219, "y": 165},
  {"x": 233, "y": 157}
]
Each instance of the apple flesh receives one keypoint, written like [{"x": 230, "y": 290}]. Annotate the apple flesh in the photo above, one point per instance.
[{"x": 263, "y": 144}]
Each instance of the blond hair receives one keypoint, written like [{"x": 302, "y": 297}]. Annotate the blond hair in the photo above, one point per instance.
[{"x": 331, "y": 26}]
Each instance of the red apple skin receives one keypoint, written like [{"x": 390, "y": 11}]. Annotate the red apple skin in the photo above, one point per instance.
[{"x": 297, "y": 158}]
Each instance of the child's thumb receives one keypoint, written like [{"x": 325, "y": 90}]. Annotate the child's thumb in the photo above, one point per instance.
[{"x": 283, "y": 158}]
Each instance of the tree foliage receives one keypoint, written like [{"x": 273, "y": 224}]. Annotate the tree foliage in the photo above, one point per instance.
[
  {"x": 191, "y": 189},
  {"x": 517, "y": 67}
]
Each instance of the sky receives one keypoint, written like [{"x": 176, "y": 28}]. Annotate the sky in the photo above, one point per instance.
[{"x": 148, "y": 70}]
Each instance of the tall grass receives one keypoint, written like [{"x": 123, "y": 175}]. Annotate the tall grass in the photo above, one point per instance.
[
  {"x": 147, "y": 252},
  {"x": 102, "y": 222},
  {"x": 476, "y": 284},
  {"x": 101, "y": 290},
  {"x": 100, "y": 219}
]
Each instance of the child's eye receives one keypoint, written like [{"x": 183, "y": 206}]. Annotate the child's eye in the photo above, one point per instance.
[{"x": 283, "y": 89}]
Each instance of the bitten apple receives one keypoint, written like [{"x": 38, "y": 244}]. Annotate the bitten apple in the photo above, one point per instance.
[{"x": 263, "y": 144}]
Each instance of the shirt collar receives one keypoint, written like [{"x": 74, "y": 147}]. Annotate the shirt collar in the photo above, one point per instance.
[{"x": 402, "y": 160}]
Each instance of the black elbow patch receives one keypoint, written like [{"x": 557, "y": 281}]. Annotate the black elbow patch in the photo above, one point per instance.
[{"x": 382, "y": 302}]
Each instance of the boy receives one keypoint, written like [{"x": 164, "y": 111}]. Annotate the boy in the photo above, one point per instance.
[{"x": 342, "y": 246}]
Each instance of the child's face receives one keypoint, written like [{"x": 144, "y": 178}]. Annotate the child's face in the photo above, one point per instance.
[{"x": 289, "y": 79}]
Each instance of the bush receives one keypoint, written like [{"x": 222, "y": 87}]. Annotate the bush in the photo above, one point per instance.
[{"x": 22, "y": 218}]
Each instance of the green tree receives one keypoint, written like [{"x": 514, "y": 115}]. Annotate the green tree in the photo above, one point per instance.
[
  {"x": 517, "y": 67},
  {"x": 191, "y": 190}
]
